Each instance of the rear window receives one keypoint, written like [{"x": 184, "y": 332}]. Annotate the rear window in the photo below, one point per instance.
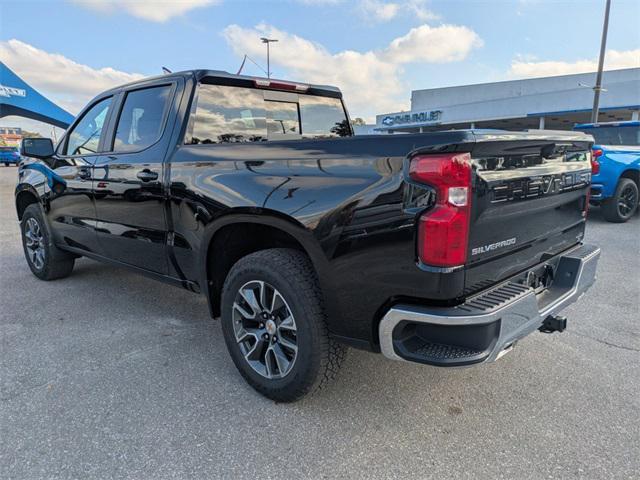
[
  {"x": 629, "y": 136},
  {"x": 282, "y": 119},
  {"x": 225, "y": 114},
  {"x": 323, "y": 116}
]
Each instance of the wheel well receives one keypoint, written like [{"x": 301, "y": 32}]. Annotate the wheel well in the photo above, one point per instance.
[
  {"x": 23, "y": 200},
  {"x": 633, "y": 175},
  {"x": 235, "y": 241}
]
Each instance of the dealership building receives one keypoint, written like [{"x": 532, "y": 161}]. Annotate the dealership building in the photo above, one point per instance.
[{"x": 555, "y": 103}]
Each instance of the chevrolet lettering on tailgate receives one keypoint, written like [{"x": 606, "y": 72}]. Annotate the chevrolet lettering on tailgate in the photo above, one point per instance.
[{"x": 539, "y": 186}]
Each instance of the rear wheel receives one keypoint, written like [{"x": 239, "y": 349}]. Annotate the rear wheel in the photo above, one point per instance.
[
  {"x": 274, "y": 325},
  {"x": 623, "y": 204},
  {"x": 46, "y": 261}
]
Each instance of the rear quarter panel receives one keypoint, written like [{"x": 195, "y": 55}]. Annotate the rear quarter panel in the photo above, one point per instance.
[
  {"x": 344, "y": 201},
  {"x": 615, "y": 160}
]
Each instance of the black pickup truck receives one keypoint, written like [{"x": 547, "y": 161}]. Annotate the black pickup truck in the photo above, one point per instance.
[{"x": 441, "y": 248}]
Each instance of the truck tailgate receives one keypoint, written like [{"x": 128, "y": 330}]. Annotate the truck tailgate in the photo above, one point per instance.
[{"x": 529, "y": 201}]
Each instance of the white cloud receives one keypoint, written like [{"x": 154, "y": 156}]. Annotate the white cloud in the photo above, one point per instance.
[
  {"x": 419, "y": 9},
  {"x": 364, "y": 77},
  {"x": 319, "y": 2},
  {"x": 445, "y": 43},
  {"x": 65, "y": 82},
  {"x": 384, "y": 11},
  {"x": 153, "y": 10},
  {"x": 614, "y": 59},
  {"x": 371, "y": 80},
  {"x": 379, "y": 10}
]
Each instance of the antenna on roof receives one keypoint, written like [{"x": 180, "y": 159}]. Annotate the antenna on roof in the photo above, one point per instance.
[
  {"x": 242, "y": 64},
  {"x": 247, "y": 57},
  {"x": 166, "y": 71}
]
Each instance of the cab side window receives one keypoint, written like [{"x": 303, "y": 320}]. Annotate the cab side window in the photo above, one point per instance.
[
  {"x": 85, "y": 136},
  {"x": 141, "y": 119}
]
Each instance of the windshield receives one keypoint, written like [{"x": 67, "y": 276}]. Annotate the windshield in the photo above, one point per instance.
[{"x": 629, "y": 136}]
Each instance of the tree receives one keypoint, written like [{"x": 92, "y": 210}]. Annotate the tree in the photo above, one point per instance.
[
  {"x": 342, "y": 129},
  {"x": 27, "y": 134}
]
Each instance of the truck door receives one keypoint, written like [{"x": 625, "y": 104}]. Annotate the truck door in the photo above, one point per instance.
[
  {"x": 128, "y": 179},
  {"x": 72, "y": 210}
]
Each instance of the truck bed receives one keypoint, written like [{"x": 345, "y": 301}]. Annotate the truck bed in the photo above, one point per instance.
[{"x": 354, "y": 197}]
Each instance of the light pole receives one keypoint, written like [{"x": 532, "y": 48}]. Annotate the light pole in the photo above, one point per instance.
[
  {"x": 598, "y": 87},
  {"x": 268, "y": 41}
]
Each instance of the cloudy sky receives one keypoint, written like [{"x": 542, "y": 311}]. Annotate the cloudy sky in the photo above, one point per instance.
[{"x": 376, "y": 51}]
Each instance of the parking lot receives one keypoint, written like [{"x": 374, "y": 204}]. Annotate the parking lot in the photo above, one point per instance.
[{"x": 107, "y": 374}]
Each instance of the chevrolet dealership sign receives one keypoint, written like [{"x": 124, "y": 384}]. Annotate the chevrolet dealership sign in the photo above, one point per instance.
[
  {"x": 18, "y": 98},
  {"x": 412, "y": 118},
  {"x": 11, "y": 91}
]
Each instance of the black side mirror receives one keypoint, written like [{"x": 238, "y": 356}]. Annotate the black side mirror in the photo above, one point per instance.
[{"x": 37, "y": 148}]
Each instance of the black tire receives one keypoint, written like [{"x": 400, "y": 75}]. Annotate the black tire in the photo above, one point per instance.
[
  {"x": 291, "y": 276},
  {"x": 54, "y": 263},
  {"x": 6, "y": 164},
  {"x": 623, "y": 204}
]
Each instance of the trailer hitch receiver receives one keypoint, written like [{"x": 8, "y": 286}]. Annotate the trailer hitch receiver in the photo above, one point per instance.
[{"x": 554, "y": 323}]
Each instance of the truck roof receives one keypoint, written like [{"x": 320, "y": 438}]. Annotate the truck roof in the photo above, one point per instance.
[{"x": 210, "y": 76}]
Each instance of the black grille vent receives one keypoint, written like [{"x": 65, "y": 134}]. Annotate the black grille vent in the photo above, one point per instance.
[{"x": 437, "y": 351}]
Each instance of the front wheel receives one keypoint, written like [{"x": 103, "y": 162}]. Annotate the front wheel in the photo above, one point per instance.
[
  {"x": 274, "y": 325},
  {"x": 623, "y": 204},
  {"x": 46, "y": 261}
]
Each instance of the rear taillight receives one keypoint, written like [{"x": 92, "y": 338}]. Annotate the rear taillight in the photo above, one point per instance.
[
  {"x": 596, "y": 153},
  {"x": 443, "y": 231}
]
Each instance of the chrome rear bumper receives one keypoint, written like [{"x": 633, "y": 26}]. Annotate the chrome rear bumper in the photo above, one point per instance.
[{"x": 488, "y": 324}]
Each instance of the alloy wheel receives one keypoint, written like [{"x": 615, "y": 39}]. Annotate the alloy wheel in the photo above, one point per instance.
[
  {"x": 265, "y": 329},
  {"x": 627, "y": 201},
  {"x": 34, "y": 240}
]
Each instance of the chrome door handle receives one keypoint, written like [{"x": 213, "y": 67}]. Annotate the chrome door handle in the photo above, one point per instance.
[
  {"x": 84, "y": 173},
  {"x": 147, "y": 175}
]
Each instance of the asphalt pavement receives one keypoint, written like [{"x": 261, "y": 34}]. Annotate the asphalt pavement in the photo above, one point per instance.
[{"x": 108, "y": 374}]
